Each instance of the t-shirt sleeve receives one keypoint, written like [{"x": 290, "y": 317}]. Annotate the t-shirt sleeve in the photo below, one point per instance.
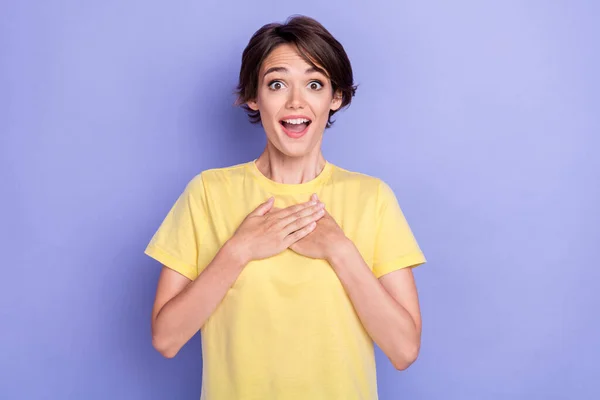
[
  {"x": 395, "y": 244},
  {"x": 177, "y": 240}
]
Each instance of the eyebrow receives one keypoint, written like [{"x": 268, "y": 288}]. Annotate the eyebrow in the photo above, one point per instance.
[{"x": 285, "y": 70}]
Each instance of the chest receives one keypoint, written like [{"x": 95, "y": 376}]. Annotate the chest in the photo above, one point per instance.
[{"x": 352, "y": 208}]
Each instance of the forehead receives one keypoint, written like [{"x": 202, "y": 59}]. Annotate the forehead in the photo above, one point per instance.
[{"x": 285, "y": 55}]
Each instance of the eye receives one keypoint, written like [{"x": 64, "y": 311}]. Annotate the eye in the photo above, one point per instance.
[
  {"x": 275, "y": 85},
  {"x": 315, "y": 85}
]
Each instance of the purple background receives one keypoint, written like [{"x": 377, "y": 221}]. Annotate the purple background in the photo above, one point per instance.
[{"x": 484, "y": 119}]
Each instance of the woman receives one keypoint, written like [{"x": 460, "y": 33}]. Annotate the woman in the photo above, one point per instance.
[{"x": 290, "y": 266}]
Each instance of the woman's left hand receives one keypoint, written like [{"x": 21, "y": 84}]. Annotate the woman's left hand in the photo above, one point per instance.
[{"x": 323, "y": 241}]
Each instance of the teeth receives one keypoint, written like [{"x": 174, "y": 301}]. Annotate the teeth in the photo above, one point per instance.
[{"x": 296, "y": 121}]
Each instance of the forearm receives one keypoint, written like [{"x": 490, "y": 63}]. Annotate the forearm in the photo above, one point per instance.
[
  {"x": 388, "y": 323},
  {"x": 185, "y": 314}
]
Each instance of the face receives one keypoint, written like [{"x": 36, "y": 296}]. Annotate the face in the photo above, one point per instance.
[{"x": 294, "y": 101}]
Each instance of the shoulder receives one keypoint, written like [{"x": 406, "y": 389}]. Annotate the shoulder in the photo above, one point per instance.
[
  {"x": 370, "y": 188},
  {"x": 369, "y": 184},
  {"x": 217, "y": 176}
]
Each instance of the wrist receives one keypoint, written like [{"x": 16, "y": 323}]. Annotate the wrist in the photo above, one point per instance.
[
  {"x": 235, "y": 253},
  {"x": 341, "y": 251}
]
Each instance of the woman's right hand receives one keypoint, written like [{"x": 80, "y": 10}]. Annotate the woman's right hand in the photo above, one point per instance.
[{"x": 265, "y": 233}]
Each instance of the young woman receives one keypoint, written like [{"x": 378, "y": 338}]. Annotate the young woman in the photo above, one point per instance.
[{"x": 290, "y": 266}]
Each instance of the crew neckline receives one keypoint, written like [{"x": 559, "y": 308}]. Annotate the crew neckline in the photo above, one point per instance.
[{"x": 311, "y": 186}]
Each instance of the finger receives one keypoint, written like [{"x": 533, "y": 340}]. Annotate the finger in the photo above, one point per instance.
[
  {"x": 299, "y": 234},
  {"x": 294, "y": 209},
  {"x": 314, "y": 197},
  {"x": 299, "y": 223},
  {"x": 283, "y": 222},
  {"x": 264, "y": 207}
]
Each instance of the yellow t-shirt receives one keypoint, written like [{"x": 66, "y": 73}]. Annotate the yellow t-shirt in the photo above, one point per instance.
[{"x": 286, "y": 329}]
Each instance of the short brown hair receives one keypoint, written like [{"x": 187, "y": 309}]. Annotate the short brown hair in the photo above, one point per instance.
[{"x": 314, "y": 43}]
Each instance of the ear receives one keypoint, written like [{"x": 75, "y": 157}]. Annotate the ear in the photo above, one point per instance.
[
  {"x": 253, "y": 105},
  {"x": 336, "y": 101}
]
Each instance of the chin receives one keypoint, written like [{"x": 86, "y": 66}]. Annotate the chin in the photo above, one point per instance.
[{"x": 293, "y": 150}]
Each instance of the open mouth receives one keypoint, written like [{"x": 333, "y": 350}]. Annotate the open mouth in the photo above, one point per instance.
[{"x": 295, "y": 126}]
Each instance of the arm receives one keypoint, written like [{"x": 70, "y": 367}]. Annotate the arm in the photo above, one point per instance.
[
  {"x": 388, "y": 308},
  {"x": 182, "y": 306}
]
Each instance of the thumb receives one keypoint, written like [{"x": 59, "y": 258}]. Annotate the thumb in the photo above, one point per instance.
[{"x": 264, "y": 207}]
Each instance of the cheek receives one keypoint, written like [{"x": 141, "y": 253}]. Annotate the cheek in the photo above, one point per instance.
[
  {"x": 269, "y": 104},
  {"x": 321, "y": 102},
  {"x": 323, "y": 108}
]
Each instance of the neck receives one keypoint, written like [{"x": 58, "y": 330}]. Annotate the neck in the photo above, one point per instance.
[{"x": 290, "y": 170}]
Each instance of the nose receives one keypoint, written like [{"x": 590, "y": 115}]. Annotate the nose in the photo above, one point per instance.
[{"x": 295, "y": 99}]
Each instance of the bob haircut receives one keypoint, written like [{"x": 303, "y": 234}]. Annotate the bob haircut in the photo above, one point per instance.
[{"x": 315, "y": 45}]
